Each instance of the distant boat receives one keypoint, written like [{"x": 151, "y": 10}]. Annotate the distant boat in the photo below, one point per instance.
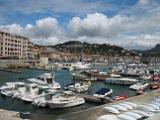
[
  {"x": 78, "y": 87},
  {"x": 120, "y": 97},
  {"x": 139, "y": 86},
  {"x": 103, "y": 92}
]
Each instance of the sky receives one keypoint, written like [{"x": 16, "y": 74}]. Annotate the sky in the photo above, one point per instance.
[{"x": 133, "y": 24}]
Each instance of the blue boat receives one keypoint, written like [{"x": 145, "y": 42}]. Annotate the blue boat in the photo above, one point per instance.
[{"x": 103, "y": 92}]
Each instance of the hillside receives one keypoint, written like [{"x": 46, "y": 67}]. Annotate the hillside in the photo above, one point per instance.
[
  {"x": 83, "y": 47},
  {"x": 153, "y": 51}
]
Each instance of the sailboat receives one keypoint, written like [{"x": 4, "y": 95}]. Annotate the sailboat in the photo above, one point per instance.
[{"x": 78, "y": 86}]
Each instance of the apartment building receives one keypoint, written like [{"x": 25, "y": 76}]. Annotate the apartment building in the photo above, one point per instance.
[{"x": 15, "y": 47}]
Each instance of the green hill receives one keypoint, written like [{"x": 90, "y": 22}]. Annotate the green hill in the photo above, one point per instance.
[{"x": 88, "y": 48}]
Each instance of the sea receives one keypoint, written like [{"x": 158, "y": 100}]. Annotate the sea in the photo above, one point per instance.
[{"x": 64, "y": 77}]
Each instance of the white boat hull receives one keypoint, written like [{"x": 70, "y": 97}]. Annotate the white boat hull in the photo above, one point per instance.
[{"x": 66, "y": 104}]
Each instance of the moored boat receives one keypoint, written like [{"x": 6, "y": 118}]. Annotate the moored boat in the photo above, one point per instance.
[{"x": 103, "y": 92}]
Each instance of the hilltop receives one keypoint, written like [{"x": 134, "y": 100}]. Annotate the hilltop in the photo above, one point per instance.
[
  {"x": 153, "y": 51},
  {"x": 77, "y": 47}
]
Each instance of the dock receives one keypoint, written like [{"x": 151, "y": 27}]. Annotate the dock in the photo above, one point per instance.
[
  {"x": 9, "y": 115},
  {"x": 10, "y": 70},
  {"x": 91, "y": 98},
  {"x": 95, "y": 112}
]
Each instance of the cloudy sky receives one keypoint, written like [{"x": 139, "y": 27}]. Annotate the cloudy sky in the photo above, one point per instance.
[{"x": 133, "y": 24}]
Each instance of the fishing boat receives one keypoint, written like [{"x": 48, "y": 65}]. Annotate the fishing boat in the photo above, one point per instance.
[
  {"x": 103, "y": 92},
  {"x": 139, "y": 86},
  {"x": 65, "y": 99},
  {"x": 78, "y": 87},
  {"x": 111, "y": 110}
]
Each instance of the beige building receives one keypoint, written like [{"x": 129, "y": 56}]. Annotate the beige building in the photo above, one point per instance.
[{"x": 15, "y": 47}]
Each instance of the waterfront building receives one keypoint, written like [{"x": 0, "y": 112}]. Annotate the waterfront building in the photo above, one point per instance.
[{"x": 15, "y": 47}]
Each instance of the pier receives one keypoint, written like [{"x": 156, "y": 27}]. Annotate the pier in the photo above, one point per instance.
[
  {"x": 9, "y": 115},
  {"x": 10, "y": 70},
  {"x": 95, "y": 112}
]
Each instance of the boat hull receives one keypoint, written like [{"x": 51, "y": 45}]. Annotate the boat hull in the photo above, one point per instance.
[{"x": 66, "y": 104}]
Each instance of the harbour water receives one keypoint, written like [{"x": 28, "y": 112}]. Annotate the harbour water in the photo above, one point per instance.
[{"x": 61, "y": 76}]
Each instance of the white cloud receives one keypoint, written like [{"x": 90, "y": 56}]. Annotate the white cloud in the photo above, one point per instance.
[
  {"x": 135, "y": 27},
  {"x": 45, "y": 31}
]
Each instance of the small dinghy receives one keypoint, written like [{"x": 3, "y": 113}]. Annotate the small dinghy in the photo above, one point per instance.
[
  {"x": 107, "y": 117},
  {"x": 129, "y": 107},
  {"x": 125, "y": 117},
  {"x": 134, "y": 114},
  {"x": 103, "y": 92},
  {"x": 112, "y": 110},
  {"x": 131, "y": 104},
  {"x": 118, "y": 107}
]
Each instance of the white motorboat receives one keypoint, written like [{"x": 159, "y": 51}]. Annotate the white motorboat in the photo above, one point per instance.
[
  {"x": 112, "y": 110},
  {"x": 139, "y": 86},
  {"x": 8, "y": 92},
  {"x": 107, "y": 117},
  {"x": 80, "y": 66},
  {"x": 134, "y": 114},
  {"x": 20, "y": 91},
  {"x": 121, "y": 80},
  {"x": 31, "y": 92},
  {"x": 65, "y": 99},
  {"x": 103, "y": 92},
  {"x": 46, "y": 79},
  {"x": 41, "y": 100},
  {"x": 10, "y": 88},
  {"x": 125, "y": 117},
  {"x": 10, "y": 85},
  {"x": 118, "y": 107},
  {"x": 129, "y": 107},
  {"x": 78, "y": 87}
]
